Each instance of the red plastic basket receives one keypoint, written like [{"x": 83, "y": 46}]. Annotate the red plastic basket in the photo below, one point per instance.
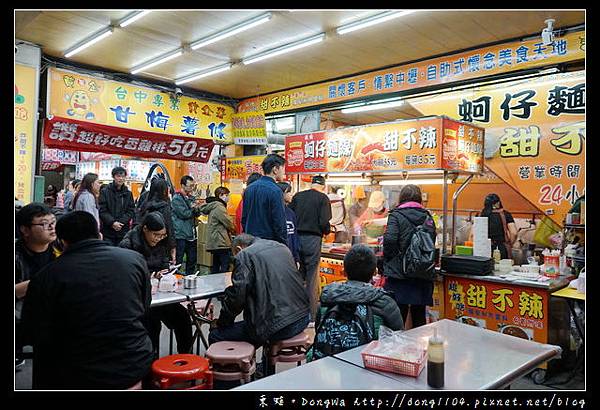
[{"x": 389, "y": 364}]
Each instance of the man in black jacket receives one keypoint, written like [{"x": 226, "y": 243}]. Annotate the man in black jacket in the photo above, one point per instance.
[
  {"x": 313, "y": 212},
  {"x": 267, "y": 287},
  {"x": 85, "y": 313},
  {"x": 116, "y": 207}
]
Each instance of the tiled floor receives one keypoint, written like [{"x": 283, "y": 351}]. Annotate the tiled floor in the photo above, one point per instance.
[{"x": 553, "y": 381}]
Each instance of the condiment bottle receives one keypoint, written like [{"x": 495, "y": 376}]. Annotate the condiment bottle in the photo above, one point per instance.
[
  {"x": 168, "y": 283},
  {"x": 154, "y": 283},
  {"x": 435, "y": 361},
  {"x": 497, "y": 255}
]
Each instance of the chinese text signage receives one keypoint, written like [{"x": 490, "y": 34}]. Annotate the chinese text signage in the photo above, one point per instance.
[
  {"x": 427, "y": 143},
  {"x": 239, "y": 168},
  {"x": 535, "y": 133},
  {"x": 90, "y": 99},
  {"x": 513, "y": 310},
  {"x": 498, "y": 59},
  {"x": 83, "y": 136},
  {"x": 249, "y": 128},
  {"x": 24, "y": 123}
]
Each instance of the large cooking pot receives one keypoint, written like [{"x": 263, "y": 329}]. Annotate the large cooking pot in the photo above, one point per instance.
[{"x": 190, "y": 282}]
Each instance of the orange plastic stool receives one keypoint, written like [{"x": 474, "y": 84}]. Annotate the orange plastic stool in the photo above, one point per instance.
[{"x": 183, "y": 372}]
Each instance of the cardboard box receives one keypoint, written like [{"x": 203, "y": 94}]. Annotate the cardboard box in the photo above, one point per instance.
[
  {"x": 204, "y": 257},
  {"x": 202, "y": 231}
]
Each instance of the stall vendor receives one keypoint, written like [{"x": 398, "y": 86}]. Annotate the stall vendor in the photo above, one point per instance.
[
  {"x": 375, "y": 210},
  {"x": 359, "y": 206},
  {"x": 501, "y": 225}
]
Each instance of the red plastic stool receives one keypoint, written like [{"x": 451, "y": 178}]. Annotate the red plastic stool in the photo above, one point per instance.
[
  {"x": 232, "y": 360},
  {"x": 289, "y": 350},
  {"x": 183, "y": 372}
]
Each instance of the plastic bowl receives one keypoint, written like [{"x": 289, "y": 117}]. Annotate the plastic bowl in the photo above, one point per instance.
[{"x": 530, "y": 268}]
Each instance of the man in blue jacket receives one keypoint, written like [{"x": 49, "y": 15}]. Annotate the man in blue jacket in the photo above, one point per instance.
[{"x": 263, "y": 215}]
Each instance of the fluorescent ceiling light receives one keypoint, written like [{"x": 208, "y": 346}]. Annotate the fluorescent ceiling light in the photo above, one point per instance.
[
  {"x": 372, "y": 107},
  {"x": 204, "y": 73},
  {"x": 347, "y": 182},
  {"x": 433, "y": 181},
  {"x": 371, "y": 21},
  {"x": 344, "y": 174},
  {"x": 94, "y": 38},
  {"x": 248, "y": 24},
  {"x": 157, "y": 61},
  {"x": 136, "y": 15},
  {"x": 284, "y": 49}
]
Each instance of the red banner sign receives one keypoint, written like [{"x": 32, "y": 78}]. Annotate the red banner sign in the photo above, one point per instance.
[
  {"x": 424, "y": 143},
  {"x": 514, "y": 310},
  {"x": 84, "y": 136},
  {"x": 305, "y": 153}
]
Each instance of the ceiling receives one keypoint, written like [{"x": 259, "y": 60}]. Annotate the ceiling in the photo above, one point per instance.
[{"x": 412, "y": 37}]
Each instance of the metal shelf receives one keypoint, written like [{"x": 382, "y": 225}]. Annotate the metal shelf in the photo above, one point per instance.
[{"x": 575, "y": 226}]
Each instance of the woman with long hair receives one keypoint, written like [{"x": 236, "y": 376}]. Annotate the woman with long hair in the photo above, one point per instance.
[
  {"x": 150, "y": 240},
  {"x": 86, "y": 197},
  {"x": 413, "y": 291},
  {"x": 158, "y": 200},
  {"x": 501, "y": 225}
]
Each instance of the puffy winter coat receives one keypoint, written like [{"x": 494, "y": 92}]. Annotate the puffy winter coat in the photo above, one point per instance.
[
  {"x": 399, "y": 231},
  {"x": 385, "y": 310},
  {"x": 86, "y": 313},
  {"x": 219, "y": 224}
]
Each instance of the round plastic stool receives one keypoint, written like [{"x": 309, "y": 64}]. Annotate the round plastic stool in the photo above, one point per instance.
[
  {"x": 183, "y": 372},
  {"x": 232, "y": 360}
]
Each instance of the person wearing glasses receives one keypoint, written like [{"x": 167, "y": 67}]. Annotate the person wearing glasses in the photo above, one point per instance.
[
  {"x": 36, "y": 247},
  {"x": 150, "y": 239}
]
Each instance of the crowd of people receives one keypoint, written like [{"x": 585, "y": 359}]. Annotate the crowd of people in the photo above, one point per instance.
[{"x": 91, "y": 325}]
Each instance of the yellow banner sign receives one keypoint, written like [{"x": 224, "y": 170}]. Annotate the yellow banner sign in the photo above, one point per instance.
[
  {"x": 90, "y": 99},
  {"x": 25, "y": 119},
  {"x": 249, "y": 128},
  {"x": 534, "y": 134},
  {"x": 239, "y": 168},
  {"x": 498, "y": 59}
]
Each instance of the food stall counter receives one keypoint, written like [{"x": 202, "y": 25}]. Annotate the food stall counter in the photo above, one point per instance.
[{"x": 513, "y": 306}]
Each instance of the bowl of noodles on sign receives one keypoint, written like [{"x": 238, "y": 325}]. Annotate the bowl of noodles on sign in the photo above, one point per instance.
[{"x": 516, "y": 331}]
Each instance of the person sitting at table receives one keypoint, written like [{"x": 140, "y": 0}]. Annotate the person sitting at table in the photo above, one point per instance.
[
  {"x": 85, "y": 313},
  {"x": 268, "y": 288},
  {"x": 150, "y": 239},
  {"x": 360, "y": 265}
]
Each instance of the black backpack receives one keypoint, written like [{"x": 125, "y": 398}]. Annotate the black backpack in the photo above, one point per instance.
[
  {"x": 343, "y": 327},
  {"x": 418, "y": 261}
]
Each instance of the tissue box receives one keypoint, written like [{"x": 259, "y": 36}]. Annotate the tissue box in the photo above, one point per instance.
[{"x": 464, "y": 250}]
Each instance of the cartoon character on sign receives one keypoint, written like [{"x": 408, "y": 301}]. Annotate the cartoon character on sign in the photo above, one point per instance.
[
  {"x": 81, "y": 104},
  {"x": 19, "y": 99}
]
